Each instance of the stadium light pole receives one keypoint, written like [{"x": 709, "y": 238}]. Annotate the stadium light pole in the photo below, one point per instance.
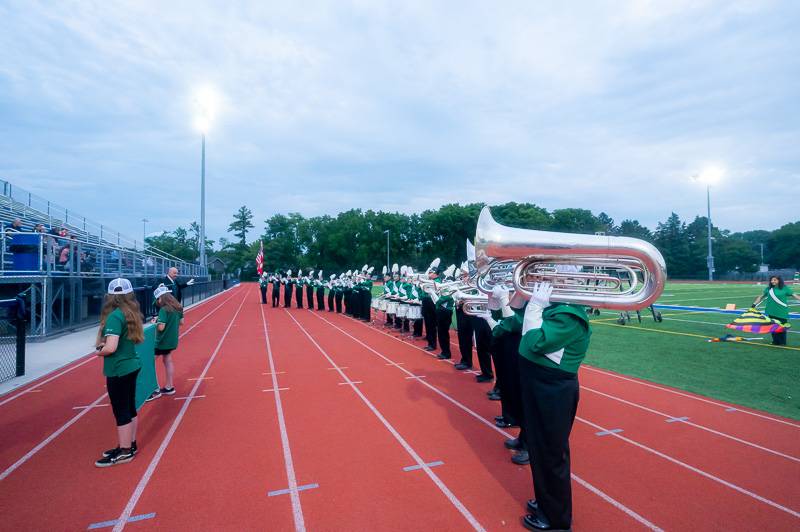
[
  {"x": 144, "y": 232},
  {"x": 709, "y": 176},
  {"x": 387, "y": 250},
  {"x": 206, "y": 103}
]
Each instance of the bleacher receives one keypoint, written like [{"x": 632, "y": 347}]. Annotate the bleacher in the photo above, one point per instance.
[{"x": 61, "y": 276}]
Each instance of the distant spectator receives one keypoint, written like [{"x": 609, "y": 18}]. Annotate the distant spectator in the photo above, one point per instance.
[
  {"x": 63, "y": 257},
  {"x": 39, "y": 228},
  {"x": 15, "y": 227},
  {"x": 777, "y": 295}
]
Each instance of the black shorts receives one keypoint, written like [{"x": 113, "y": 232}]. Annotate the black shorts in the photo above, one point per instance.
[
  {"x": 163, "y": 352},
  {"x": 122, "y": 393}
]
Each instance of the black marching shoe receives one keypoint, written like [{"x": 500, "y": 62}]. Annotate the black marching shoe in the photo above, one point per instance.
[
  {"x": 429, "y": 348},
  {"x": 505, "y": 423},
  {"x": 494, "y": 396},
  {"x": 534, "y": 522},
  {"x": 483, "y": 378},
  {"x": 442, "y": 356},
  {"x": 532, "y": 506},
  {"x": 514, "y": 444},
  {"x": 109, "y": 452},
  {"x": 117, "y": 456},
  {"x": 521, "y": 457},
  {"x": 461, "y": 366}
]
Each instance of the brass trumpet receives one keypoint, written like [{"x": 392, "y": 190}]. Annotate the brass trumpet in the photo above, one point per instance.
[{"x": 610, "y": 272}]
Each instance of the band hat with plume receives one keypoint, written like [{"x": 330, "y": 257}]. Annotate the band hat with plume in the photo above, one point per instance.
[
  {"x": 160, "y": 291},
  {"x": 333, "y": 276},
  {"x": 395, "y": 268},
  {"x": 319, "y": 275},
  {"x": 434, "y": 265},
  {"x": 384, "y": 270},
  {"x": 289, "y": 272},
  {"x": 470, "y": 251},
  {"x": 370, "y": 269},
  {"x": 364, "y": 268},
  {"x": 457, "y": 273},
  {"x": 409, "y": 271},
  {"x": 449, "y": 271}
]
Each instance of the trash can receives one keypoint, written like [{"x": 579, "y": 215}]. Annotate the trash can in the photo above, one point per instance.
[{"x": 25, "y": 250}]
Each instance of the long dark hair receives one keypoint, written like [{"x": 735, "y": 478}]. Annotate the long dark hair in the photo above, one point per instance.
[
  {"x": 780, "y": 280},
  {"x": 168, "y": 301},
  {"x": 129, "y": 306}
]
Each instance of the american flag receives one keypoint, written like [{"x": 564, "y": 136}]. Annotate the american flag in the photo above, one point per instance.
[{"x": 260, "y": 258}]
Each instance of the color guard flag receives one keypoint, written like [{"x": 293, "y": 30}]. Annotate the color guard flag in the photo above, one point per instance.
[
  {"x": 753, "y": 321},
  {"x": 260, "y": 258}
]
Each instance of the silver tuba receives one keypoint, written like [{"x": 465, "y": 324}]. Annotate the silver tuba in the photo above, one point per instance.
[{"x": 611, "y": 272}]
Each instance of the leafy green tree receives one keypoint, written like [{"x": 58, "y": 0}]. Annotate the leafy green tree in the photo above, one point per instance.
[
  {"x": 575, "y": 221},
  {"x": 634, "y": 229},
  {"x": 784, "y": 247},
  {"x": 242, "y": 221},
  {"x": 671, "y": 239}
]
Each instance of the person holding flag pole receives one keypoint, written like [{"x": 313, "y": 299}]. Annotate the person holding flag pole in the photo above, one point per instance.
[{"x": 777, "y": 296}]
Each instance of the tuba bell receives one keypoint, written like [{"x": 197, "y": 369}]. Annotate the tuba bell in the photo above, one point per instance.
[{"x": 612, "y": 272}]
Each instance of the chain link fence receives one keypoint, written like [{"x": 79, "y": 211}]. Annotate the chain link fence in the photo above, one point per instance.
[{"x": 12, "y": 339}]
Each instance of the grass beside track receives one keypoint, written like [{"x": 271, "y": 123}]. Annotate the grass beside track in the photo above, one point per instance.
[{"x": 677, "y": 353}]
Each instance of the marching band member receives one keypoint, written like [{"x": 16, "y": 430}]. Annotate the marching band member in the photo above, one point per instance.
[
  {"x": 400, "y": 322},
  {"x": 381, "y": 300},
  {"x": 429, "y": 308},
  {"x": 444, "y": 317},
  {"x": 320, "y": 291},
  {"x": 331, "y": 293},
  {"x": 555, "y": 338},
  {"x": 338, "y": 293},
  {"x": 347, "y": 290},
  {"x": 310, "y": 289},
  {"x": 463, "y": 327},
  {"x": 391, "y": 296},
  {"x": 298, "y": 288},
  {"x": 263, "y": 283},
  {"x": 366, "y": 295},
  {"x": 276, "y": 289},
  {"x": 288, "y": 281},
  {"x": 415, "y": 309}
]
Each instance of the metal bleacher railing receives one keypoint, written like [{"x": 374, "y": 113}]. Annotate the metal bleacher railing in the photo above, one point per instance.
[{"x": 92, "y": 249}]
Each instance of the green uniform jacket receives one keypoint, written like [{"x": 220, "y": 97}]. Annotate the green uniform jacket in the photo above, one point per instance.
[
  {"x": 564, "y": 336},
  {"x": 168, "y": 338},
  {"x": 445, "y": 303},
  {"x": 775, "y": 309},
  {"x": 511, "y": 324},
  {"x": 124, "y": 360}
]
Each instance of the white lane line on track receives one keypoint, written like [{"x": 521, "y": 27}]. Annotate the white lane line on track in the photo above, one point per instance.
[
  {"x": 417, "y": 458},
  {"x": 696, "y": 425},
  {"x": 50, "y": 438},
  {"x": 693, "y": 469},
  {"x": 644, "y": 447},
  {"x": 36, "y": 384},
  {"x": 616, "y": 504},
  {"x": 701, "y": 399},
  {"x": 293, "y": 490},
  {"x": 66, "y": 425},
  {"x": 148, "y": 474}
]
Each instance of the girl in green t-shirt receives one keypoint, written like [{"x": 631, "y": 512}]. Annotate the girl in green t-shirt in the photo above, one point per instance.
[
  {"x": 168, "y": 322},
  {"x": 777, "y": 296},
  {"x": 120, "y": 331}
]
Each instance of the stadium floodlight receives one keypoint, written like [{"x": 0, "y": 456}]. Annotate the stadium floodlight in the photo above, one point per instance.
[
  {"x": 206, "y": 103},
  {"x": 710, "y": 175}
]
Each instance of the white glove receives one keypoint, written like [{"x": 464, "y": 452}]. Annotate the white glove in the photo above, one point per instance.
[
  {"x": 190, "y": 282},
  {"x": 434, "y": 297},
  {"x": 429, "y": 289},
  {"x": 488, "y": 317},
  {"x": 540, "y": 298},
  {"x": 507, "y": 311},
  {"x": 498, "y": 298}
]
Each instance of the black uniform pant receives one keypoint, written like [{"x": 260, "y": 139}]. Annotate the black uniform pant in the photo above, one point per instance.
[
  {"x": 443, "y": 320},
  {"x": 320, "y": 298},
  {"x": 389, "y": 318},
  {"x": 464, "y": 328},
  {"x": 310, "y": 296},
  {"x": 287, "y": 295},
  {"x": 263, "y": 294},
  {"x": 418, "y": 328},
  {"x": 429, "y": 316},
  {"x": 500, "y": 371},
  {"x": 779, "y": 338},
  {"x": 511, "y": 392},
  {"x": 298, "y": 294},
  {"x": 331, "y": 297},
  {"x": 366, "y": 305},
  {"x": 348, "y": 308},
  {"x": 339, "y": 297},
  {"x": 550, "y": 398},
  {"x": 483, "y": 336},
  {"x": 276, "y": 295}
]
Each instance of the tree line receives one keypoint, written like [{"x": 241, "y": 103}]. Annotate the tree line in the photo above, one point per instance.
[{"x": 357, "y": 237}]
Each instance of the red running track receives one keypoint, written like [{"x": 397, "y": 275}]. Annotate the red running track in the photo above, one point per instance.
[{"x": 298, "y": 419}]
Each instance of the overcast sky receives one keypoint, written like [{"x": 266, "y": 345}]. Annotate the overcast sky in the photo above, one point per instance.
[{"x": 609, "y": 106}]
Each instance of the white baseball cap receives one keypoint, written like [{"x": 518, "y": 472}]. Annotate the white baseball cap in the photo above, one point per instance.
[
  {"x": 160, "y": 291},
  {"x": 120, "y": 285}
]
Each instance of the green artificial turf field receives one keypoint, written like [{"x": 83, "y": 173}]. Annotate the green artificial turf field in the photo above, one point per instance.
[{"x": 676, "y": 352}]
